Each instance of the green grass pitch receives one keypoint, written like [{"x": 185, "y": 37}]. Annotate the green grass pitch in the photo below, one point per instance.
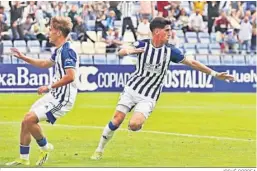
[{"x": 185, "y": 130}]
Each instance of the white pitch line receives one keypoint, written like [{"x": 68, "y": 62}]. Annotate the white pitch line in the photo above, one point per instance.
[{"x": 149, "y": 131}]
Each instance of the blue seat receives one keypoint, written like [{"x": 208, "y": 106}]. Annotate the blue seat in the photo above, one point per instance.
[
  {"x": 202, "y": 58},
  {"x": 191, "y": 37},
  {"x": 189, "y": 48},
  {"x": 227, "y": 60},
  {"x": 181, "y": 36},
  {"x": 213, "y": 38},
  {"x": 250, "y": 59},
  {"x": 20, "y": 45},
  {"x": 112, "y": 59},
  {"x": 100, "y": 59},
  {"x": 7, "y": 59},
  {"x": 214, "y": 60},
  {"x": 215, "y": 48},
  {"x": 202, "y": 48},
  {"x": 7, "y": 45},
  {"x": 204, "y": 37},
  {"x": 86, "y": 59},
  {"x": 34, "y": 46},
  {"x": 239, "y": 59}
]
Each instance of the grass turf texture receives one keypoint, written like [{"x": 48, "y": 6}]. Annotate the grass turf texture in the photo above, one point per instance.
[{"x": 194, "y": 117}]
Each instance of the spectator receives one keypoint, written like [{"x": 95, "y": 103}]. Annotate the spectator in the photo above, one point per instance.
[
  {"x": 59, "y": 10},
  {"x": 4, "y": 17},
  {"x": 234, "y": 20},
  {"x": 29, "y": 33},
  {"x": 162, "y": 8},
  {"x": 72, "y": 14},
  {"x": 196, "y": 22},
  {"x": 127, "y": 12},
  {"x": 171, "y": 17},
  {"x": 110, "y": 19},
  {"x": 85, "y": 13},
  {"x": 183, "y": 20},
  {"x": 231, "y": 40},
  {"x": 143, "y": 29},
  {"x": 146, "y": 10},
  {"x": 254, "y": 17},
  {"x": 222, "y": 23},
  {"x": 175, "y": 9},
  {"x": 112, "y": 41},
  {"x": 198, "y": 6},
  {"x": 30, "y": 10},
  {"x": 245, "y": 34},
  {"x": 248, "y": 14},
  {"x": 4, "y": 35},
  {"x": 81, "y": 30},
  {"x": 16, "y": 16},
  {"x": 100, "y": 17},
  {"x": 250, "y": 5},
  {"x": 238, "y": 7},
  {"x": 213, "y": 13},
  {"x": 114, "y": 7}
]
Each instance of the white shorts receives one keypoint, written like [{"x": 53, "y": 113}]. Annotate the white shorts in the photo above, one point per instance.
[
  {"x": 130, "y": 99},
  {"x": 47, "y": 108}
]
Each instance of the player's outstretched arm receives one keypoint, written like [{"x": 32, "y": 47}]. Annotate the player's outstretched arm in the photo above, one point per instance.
[
  {"x": 66, "y": 79},
  {"x": 129, "y": 51},
  {"x": 41, "y": 63},
  {"x": 203, "y": 68}
]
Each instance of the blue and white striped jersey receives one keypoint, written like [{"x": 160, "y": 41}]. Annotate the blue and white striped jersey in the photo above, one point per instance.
[
  {"x": 152, "y": 67},
  {"x": 65, "y": 57}
]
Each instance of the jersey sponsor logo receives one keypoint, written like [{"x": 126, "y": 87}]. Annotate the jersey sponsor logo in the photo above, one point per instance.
[
  {"x": 153, "y": 68},
  {"x": 68, "y": 61}
]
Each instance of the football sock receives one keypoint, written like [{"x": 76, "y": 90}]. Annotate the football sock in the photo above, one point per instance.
[
  {"x": 24, "y": 152},
  {"x": 106, "y": 136},
  {"x": 42, "y": 143}
]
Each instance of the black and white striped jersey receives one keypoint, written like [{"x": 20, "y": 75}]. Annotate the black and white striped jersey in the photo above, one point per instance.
[
  {"x": 65, "y": 57},
  {"x": 151, "y": 68}
]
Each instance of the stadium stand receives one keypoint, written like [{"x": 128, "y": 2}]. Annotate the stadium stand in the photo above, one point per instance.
[{"x": 210, "y": 46}]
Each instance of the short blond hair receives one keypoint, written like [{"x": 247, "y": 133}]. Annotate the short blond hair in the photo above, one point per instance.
[{"x": 63, "y": 24}]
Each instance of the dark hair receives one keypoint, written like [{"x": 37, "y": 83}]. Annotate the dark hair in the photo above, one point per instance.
[{"x": 159, "y": 22}]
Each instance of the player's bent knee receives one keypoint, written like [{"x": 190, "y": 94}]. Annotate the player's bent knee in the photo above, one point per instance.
[
  {"x": 135, "y": 126},
  {"x": 30, "y": 118}
]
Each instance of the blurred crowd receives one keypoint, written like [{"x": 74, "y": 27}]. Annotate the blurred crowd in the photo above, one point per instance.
[{"x": 234, "y": 23}]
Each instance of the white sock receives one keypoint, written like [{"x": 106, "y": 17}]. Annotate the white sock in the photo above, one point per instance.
[
  {"x": 106, "y": 136},
  {"x": 24, "y": 156}
]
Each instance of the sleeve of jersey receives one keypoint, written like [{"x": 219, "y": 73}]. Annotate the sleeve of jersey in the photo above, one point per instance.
[
  {"x": 176, "y": 55},
  {"x": 139, "y": 44},
  {"x": 69, "y": 58}
]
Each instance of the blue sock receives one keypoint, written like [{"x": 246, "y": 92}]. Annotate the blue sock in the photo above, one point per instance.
[
  {"x": 24, "y": 149},
  {"x": 24, "y": 152},
  {"x": 112, "y": 127},
  {"x": 42, "y": 142}
]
